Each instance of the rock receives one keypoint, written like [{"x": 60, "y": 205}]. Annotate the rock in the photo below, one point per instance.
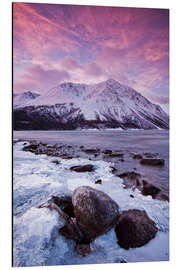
[
  {"x": 95, "y": 211},
  {"x": 32, "y": 148},
  {"x": 99, "y": 181},
  {"x": 91, "y": 151},
  {"x": 83, "y": 249},
  {"x": 152, "y": 161},
  {"x": 65, "y": 156},
  {"x": 83, "y": 168},
  {"x": 149, "y": 189},
  {"x": 137, "y": 156},
  {"x": 132, "y": 196},
  {"x": 134, "y": 229},
  {"x": 56, "y": 161},
  {"x": 65, "y": 203},
  {"x": 114, "y": 155},
  {"x": 164, "y": 197},
  {"x": 130, "y": 175},
  {"x": 150, "y": 155},
  {"x": 113, "y": 170},
  {"x": 122, "y": 160},
  {"x": 131, "y": 179},
  {"x": 107, "y": 152}
]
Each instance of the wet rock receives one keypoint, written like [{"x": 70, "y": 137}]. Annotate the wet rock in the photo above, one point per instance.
[
  {"x": 164, "y": 197},
  {"x": 149, "y": 189},
  {"x": 113, "y": 170},
  {"x": 83, "y": 168},
  {"x": 56, "y": 161},
  {"x": 152, "y": 161},
  {"x": 107, "y": 152},
  {"x": 65, "y": 156},
  {"x": 65, "y": 203},
  {"x": 130, "y": 179},
  {"x": 130, "y": 175},
  {"x": 95, "y": 211},
  {"x": 134, "y": 229},
  {"x": 91, "y": 151},
  {"x": 114, "y": 155},
  {"x": 137, "y": 156},
  {"x": 150, "y": 155},
  {"x": 99, "y": 181},
  {"x": 83, "y": 249},
  {"x": 31, "y": 148}
]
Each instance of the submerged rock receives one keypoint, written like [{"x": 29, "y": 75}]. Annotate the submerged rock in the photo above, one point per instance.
[
  {"x": 149, "y": 189},
  {"x": 152, "y": 161},
  {"x": 83, "y": 168},
  {"x": 95, "y": 211},
  {"x": 134, "y": 229}
]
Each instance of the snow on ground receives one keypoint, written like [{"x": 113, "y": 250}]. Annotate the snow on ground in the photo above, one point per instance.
[{"x": 36, "y": 238}]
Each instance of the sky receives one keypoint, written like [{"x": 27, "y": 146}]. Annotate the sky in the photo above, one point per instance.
[{"x": 89, "y": 44}]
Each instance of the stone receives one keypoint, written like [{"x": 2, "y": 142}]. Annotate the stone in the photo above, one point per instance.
[
  {"x": 99, "y": 181},
  {"x": 130, "y": 179},
  {"x": 107, "y": 152},
  {"x": 95, "y": 212},
  {"x": 56, "y": 161},
  {"x": 83, "y": 168},
  {"x": 65, "y": 156},
  {"x": 130, "y": 175},
  {"x": 149, "y": 189},
  {"x": 137, "y": 156},
  {"x": 113, "y": 170},
  {"x": 152, "y": 161},
  {"x": 91, "y": 151},
  {"x": 134, "y": 229},
  {"x": 83, "y": 249},
  {"x": 114, "y": 155}
]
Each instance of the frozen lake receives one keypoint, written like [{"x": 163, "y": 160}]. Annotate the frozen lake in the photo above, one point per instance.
[{"x": 36, "y": 179}]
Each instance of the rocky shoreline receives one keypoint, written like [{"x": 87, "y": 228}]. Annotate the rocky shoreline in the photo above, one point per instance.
[
  {"x": 131, "y": 178},
  {"x": 88, "y": 212}
]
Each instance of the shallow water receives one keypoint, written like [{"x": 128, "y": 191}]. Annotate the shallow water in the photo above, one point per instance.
[{"x": 35, "y": 231}]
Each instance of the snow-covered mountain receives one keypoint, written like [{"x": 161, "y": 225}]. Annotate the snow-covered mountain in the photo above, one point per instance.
[
  {"x": 106, "y": 104},
  {"x": 20, "y": 100}
]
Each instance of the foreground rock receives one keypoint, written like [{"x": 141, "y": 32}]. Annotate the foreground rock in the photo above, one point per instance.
[
  {"x": 152, "y": 161},
  {"x": 95, "y": 211},
  {"x": 83, "y": 168},
  {"x": 135, "y": 229}
]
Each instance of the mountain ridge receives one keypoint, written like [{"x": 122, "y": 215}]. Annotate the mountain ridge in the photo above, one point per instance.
[{"x": 102, "y": 105}]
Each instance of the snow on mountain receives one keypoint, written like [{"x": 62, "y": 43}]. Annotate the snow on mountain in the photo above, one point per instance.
[
  {"x": 20, "y": 100},
  {"x": 106, "y": 104}
]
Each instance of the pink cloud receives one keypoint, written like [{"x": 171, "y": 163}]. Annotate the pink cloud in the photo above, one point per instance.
[{"x": 38, "y": 78}]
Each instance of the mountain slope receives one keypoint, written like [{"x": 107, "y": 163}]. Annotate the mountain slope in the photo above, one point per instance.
[
  {"x": 106, "y": 104},
  {"x": 20, "y": 100}
]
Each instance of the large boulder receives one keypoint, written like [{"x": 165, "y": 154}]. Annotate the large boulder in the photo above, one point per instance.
[
  {"x": 135, "y": 229},
  {"x": 95, "y": 211}
]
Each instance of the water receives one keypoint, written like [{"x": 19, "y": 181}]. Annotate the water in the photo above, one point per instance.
[{"x": 35, "y": 231}]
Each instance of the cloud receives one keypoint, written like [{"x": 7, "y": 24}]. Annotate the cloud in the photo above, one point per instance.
[
  {"x": 37, "y": 78},
  {"x": 89, "y": 44}
]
